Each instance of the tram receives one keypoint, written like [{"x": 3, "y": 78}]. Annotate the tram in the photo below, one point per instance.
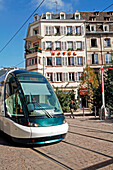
[{"x": 30, "y": 112}]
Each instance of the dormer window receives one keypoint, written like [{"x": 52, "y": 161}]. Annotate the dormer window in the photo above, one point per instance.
[
  {"x": 107, "y": 18},
  {"x": 62, "y": 15},
  {"x": 96, "y": 13},
  {"x": 77, "y": 15},
  {"x": 92, "y": 18},
  {"x": 48, "y": 15},
  {"x": 36, "y": 17}
]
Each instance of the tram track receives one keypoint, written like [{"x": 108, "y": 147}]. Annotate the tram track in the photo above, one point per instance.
[
  {"x": 90, "y": 136},
  {"x": 52, "y": 159},
  {"x": 84, "y": 148},
  {"x": 87, "y": 127}
]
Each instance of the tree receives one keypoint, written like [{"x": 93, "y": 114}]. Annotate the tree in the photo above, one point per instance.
[
  {"x": 108, "y": 87},
  {"x": 65, "y": 97},
  {"x": 90, "y": 81}
]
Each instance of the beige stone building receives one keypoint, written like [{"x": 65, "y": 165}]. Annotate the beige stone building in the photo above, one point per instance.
[
  {"x": 61, "y": 40},
  {"x": 99, "y": 35}
]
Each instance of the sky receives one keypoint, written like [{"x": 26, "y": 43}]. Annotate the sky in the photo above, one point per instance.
[{"x": 13, "y": 15}]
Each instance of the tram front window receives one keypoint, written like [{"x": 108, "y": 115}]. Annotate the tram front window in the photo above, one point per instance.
[{"x": 40, "y": 97}]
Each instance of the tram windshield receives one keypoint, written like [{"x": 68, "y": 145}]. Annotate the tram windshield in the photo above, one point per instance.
[{"x": 39, "y": 95}]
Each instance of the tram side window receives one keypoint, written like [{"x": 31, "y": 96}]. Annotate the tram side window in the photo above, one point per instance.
[{"x": 12, "y": 100}]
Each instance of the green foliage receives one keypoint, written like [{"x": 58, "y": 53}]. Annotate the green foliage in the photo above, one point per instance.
[
  {"x": 65, "y": 98},
  {"x": 108, "y": 87}
]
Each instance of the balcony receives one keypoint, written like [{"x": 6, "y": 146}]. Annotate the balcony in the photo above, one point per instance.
[{"x": 33, "y": 50}]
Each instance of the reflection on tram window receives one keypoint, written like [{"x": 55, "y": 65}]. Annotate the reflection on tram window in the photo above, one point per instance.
[{"x": 12, "y": 100}]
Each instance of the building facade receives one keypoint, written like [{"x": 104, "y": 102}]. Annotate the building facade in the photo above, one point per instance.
[
  {"x": 55, "y": 46},
  {"x": 99, "y": 36}
]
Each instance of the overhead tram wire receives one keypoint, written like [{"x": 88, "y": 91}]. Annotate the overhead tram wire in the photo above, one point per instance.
[
  {"x": 107, "y": 7},
  {"x": 22, "y": 26}
]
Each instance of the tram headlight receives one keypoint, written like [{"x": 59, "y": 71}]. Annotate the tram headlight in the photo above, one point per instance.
[
  {"x": 34, "y": 124},
  {"x": 64, "y": 121}
]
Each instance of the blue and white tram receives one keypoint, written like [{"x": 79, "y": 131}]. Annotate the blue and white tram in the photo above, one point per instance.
[{"x": 29, "y": 109}]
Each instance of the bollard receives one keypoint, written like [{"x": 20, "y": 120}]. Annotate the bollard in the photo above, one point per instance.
[
  {"x": 95, "y": 112},
  {"x": 83, "y": 112}
]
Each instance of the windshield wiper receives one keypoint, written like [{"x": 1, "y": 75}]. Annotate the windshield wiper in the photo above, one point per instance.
[{"x": 44, "y": 110}]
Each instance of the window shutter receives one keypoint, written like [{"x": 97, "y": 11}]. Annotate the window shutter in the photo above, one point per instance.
[
  {"x": 53, "y": 61},
  {"x": 63, "y": 61},
  {"x": 76, "y": 76},
  {"x": 64, "y": 30},
  {"x": 73, "y": 30},
  {"x": 54, "y": 77},
  {"x": 83, "y": 45},
  {"x": 62, "y": 46},
  {"x": 52, "y": 30},
  {"x": 63, "y": 77},
  {"x": 84, "y": 62},
  {"x": 53, "y": 47},
  {"x": 65, "y": 46},
  {"x": 47, "y": 30},
  {"x": 82, "y": 30},
  {"x": 67, "y": 77},
  {"x": 44, "y": 46},
  {"x": 74, "y": 45},
  {"x": 61, "y": 30},
  {"x": 75, "y": 60}
]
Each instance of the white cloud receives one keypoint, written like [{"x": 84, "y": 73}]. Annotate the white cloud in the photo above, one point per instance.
[{"x": 60, "y": 5}]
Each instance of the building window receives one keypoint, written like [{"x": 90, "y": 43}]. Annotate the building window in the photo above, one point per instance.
[
  {"x": 107, "y": 18},
  {"x": 58, "y": 61},
  {"x": 94, "y": 58},
  {"x": 58, "y": 45},
  {"x": 77, "y": 16},
  {"x": 71, "y": 77},
  {"x": 108, "y": 58},
  {"x": 48, "y": 45},
  {"x": 70, "y": 45},
  {"x": 58, "y": 76},
  {"x": 92, "y": 28},
  {"x": 79, "y": 76},
  {"x": 50, "y": 76},
  {"x": 57, "y": 30},
  {"x": 93, "y": 42},
  {"x": 36, "y": 61},
  {"x": 79, "y": 45},
  {"x": 92, "y": 18},
  {"x": 69, "y": 30},
  {"x": 78, "y": 30},
  {"x": 105, "y": 28},
  {"x": 79, "y": 60},
  {"x": 70, "y": 61},
  {"x": 29, "y": 62},
  {"x": 36, "y": 31},
  {"x": 62, "y": 16},
  {"x": 49, "y": 61},
  {"x": 48, "y": 16},
  {"x": 107, "y": 42}
]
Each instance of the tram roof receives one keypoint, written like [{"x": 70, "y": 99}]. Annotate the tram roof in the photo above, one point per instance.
[{"x": 5, "y": 72}]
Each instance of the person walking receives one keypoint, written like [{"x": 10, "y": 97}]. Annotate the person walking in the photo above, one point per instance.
[{"x": 71, "y": 108}]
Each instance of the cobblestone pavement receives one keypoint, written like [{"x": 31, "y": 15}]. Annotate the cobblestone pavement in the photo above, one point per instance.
[{"x": 88, "y": 145}]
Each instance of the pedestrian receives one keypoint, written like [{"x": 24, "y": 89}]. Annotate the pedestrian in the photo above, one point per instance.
[{"x": 71, "y": 108}]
